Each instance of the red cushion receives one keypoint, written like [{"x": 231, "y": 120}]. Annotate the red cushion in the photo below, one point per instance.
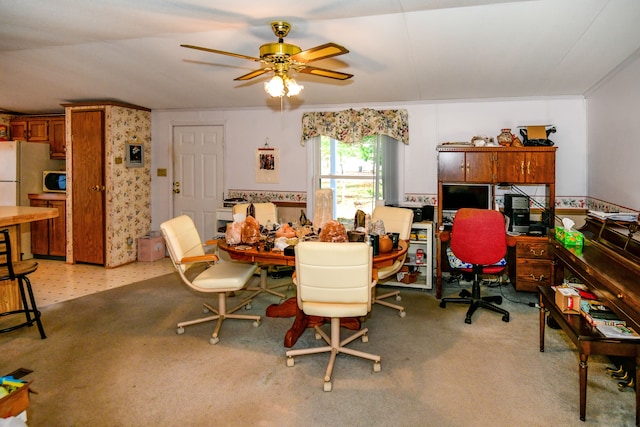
[{"x": 479, "y": 236}]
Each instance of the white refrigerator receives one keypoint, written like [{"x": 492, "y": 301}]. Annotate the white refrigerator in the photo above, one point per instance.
[{"x": 21, "y": 167}]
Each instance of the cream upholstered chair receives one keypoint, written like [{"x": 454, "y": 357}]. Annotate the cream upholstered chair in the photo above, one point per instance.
[
  {"x": 265, "y": 212},
  {"x": 334, "y": 280},
  {"x": 199, "y": 271},
  {"x": 396, "y": 220}
]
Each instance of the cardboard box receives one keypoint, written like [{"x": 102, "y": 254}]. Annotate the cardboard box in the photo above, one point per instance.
[
  {"x": 15, "y": 403},
  {"x": 569, "y": 238},
  {"x": 150, "y": 248},
  {"x": 568, "y": 300}
]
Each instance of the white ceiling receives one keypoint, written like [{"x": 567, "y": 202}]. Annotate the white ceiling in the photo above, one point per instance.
[{"x": 59, "y": 51}]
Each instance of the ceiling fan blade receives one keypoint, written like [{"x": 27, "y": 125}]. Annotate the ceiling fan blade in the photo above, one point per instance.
[
  {"x": 324, "y": 51},
  {"x": 322, "y": 72},
  {"x": 221, "y": 52},
  {"x": 254, "y": 73}
]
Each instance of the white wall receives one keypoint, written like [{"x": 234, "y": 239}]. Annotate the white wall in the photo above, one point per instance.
[
  {"x": 613, "y": 159},
  {"x": 429, "y": 125}
]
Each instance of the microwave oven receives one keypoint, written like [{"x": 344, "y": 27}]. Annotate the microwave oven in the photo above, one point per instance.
[{"x": 54, "y": 181}]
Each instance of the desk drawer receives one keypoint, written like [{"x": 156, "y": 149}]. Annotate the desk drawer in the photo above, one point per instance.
[
  {"x": 531, "y": 273},
  {"x": 528, "y": 249}
]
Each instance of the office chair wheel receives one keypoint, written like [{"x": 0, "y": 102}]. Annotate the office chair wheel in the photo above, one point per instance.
[
  {"x": 281, "y": 300},
  {"x": 505, "y": 318},
  {"x": 443, "y": 304},
  {"x": 290, "y": 361},
  {"x": 365, "y": 338},
  {"x": 205, "y": 310},
  {"x": 247, "y": 307},
  {"x": 256, "y": 323},
  {"x": 327, "y": 386},
  {"x": 402, "y": 313},
  {"x": 398, "y": 298},
  {"x": 467, "y": 320},
  {"x": 214, "y": 340},
  {"x": 180, "y": 330},
  {"x": 377, "y": 367}
]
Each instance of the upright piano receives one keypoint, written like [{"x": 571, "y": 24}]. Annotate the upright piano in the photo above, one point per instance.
[{"x": 609, "y": 265}]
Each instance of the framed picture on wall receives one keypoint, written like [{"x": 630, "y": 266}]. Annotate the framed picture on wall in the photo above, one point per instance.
[
  {"x": 135, "y": 156},
  {"x": 268, "y": 165}
]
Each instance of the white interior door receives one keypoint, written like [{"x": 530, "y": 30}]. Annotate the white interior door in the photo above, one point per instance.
[{"x": 198, "y": 173}]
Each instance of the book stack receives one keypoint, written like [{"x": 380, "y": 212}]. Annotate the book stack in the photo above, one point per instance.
[
  {"x": 618, "y": 331},
  {"x": 596, "y": 313}
]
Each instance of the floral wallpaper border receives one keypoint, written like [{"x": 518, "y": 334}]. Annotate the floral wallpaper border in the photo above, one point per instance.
[{"x": 566, "y": 202}]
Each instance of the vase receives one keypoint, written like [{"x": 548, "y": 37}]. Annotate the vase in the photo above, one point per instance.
[{"x": 505, "y": 138}]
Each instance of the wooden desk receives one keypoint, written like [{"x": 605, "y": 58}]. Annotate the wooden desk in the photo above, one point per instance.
[
  {"x": 588, "y": 341},
  {"x": 279, "y": 258}
]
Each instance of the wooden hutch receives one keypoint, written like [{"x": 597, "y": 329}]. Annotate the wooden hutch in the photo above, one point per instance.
[{"x": 530, "y": 262}]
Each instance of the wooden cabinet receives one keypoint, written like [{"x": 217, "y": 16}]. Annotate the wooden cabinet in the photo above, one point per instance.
[
  {"x": 45, "y": 129},
  {"x": 49, "y": 237},
  {"x": 58, "y": 138},
  {"x": 461, "y": 166},
  {"x": 30, "y": 129},
  {"x": 530, "y": 263},
  {"x": 518, "y": 167}
]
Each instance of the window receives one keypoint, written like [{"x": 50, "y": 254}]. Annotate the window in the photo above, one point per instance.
[{"x": 360, "y": 174}]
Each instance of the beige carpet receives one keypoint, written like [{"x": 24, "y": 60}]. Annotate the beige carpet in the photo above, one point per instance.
[{"x": 114, "y": 359}]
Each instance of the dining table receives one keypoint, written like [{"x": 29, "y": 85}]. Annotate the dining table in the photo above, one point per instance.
[{"x": 257, "y": 254}]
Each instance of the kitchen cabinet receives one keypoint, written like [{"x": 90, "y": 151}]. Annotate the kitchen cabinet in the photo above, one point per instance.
[
  {"x": 49, "y": 237},
  {"x": 45, "y": 129},
  {"x": 58, "y": 138},
  {"x": 30, "y": 129}
]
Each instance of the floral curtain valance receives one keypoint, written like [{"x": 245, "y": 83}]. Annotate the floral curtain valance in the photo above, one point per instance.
[{"x": 353, "y": 125}]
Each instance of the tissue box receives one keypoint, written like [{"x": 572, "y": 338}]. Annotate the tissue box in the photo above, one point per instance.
[
  {"x": 568, "y": 300},
  {"x": 569, "y": 238}
]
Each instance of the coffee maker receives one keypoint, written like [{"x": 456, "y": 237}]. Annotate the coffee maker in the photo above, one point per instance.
[{"x": 516, "y": 208}]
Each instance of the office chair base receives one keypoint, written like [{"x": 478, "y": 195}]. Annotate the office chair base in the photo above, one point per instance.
[
  {"x": 474, "y": 300},
  {"x": 335, "y": 347},
  {"x": 380, "y": 299},
  {"x": 220, "y": 314},
  {"x": 264, "y": 289}
]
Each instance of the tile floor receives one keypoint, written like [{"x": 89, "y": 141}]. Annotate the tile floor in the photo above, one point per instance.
[{"x": 57, "y": 281}]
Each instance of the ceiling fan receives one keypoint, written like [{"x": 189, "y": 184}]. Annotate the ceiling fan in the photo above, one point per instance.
[{"x": 283, "y": 57}]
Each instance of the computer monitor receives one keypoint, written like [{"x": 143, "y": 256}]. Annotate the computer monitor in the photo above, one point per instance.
[{"x": 456, "y": 196}]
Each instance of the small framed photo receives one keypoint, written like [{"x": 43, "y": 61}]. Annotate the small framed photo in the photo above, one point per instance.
[
  {"x": 267, "y": 165},
  {"x": 135, "y": 156}
]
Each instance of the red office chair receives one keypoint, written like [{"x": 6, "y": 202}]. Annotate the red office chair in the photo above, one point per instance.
[{"x": 478, "y": 238}]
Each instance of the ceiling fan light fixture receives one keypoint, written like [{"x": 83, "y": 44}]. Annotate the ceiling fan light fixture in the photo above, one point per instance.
[
  {"x": 293, "y": 88},
  {"x": 275, "y": 86}
]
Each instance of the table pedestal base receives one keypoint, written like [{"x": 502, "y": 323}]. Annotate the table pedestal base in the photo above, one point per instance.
[{"x": 289, "y": 308}]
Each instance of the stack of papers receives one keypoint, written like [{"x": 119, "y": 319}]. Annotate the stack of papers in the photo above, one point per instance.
[{"x": 615, "y": 216}]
